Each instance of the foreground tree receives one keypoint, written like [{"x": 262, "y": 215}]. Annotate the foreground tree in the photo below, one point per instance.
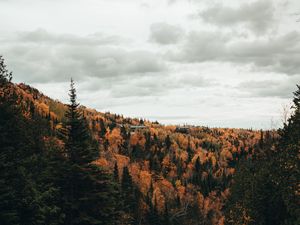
[
  {"x": 288, "y": 162},
  {"x": 266, "y": 188},
  {"x": 27, "y": 194},
  {"x": 90, "y": 193},
  {"x": 130, "y": 196}
]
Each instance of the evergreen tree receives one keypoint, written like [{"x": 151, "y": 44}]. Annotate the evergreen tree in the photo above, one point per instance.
[
  {"x": 80, "y": 147},
  {"x": 5, "y": 76},
  {"x": 26, "y": 195},
  {"x": 153, "y": 216},
  {"x": 168, "y": 142},
  {"x": 166, "y": 217},
  {"x": 116, "y": 172},
  {"x": 198, "y": 165},
  {"x": 102, "y": 128},
  {"x": 90, "y": 193},
  {"x": 129, "y": 196},
  {"x": 189, "y": 151},
  {"x": 265, "y": 187},
  {"x": 288, "y": 164}
]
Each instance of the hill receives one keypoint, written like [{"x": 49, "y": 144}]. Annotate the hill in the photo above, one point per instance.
[{"x": 189, "y": 169}]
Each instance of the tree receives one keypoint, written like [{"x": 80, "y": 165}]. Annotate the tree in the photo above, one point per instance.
[
  {"x": 80, "y": 147},
  {"x": 26, "y": 195},
  {"x": 168, "y": 142},
  {"x": 116, "y": 172},
  {"x": 90, "y": 193},
  {"x": 5, "y": 76},
  {"x": 166, "y": 217},
  {"x": 153, "y": 216},
  {"x": 287, "y": 162},
  {"x": 265, "y": 187},
  {"x": 189, "y": 150},
  {"x": 129, "y": 196}
]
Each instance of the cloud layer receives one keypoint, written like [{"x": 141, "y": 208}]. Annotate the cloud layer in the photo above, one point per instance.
[
  {"x": 164, "y": 33},
  {"x": 279, "y": 54},
  {"x": 203, "y": 61},
  {"x": 257, "y": 16}
]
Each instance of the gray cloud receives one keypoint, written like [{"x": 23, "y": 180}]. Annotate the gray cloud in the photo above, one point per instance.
[
  {"x": 201, "y": 47},
  {"x": 44, "y": 57},
  {"x": 163, "y": 33},
  {"x": 41, "y": 36},
  {"x": 148, "y": 86},
  {"x": 270, "y": 88},
  {"x": 279, "y": 54},
  {"x": 257, "y": 16}
]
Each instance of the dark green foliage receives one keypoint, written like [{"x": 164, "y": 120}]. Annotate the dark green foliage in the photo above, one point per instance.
[
  {"x": 255, "y": 196},
  {"x": 153, "y": 216},
  {"x": 190, "y": 151},
  {"x": 89, "y": 193},
  {"x": 166, "y": 216},
  {"x": 288, "y": 163},
  {"x": 80, "y": 146},
  {"x": 102, "y": 128},
  {"x": 266, "y": 186},
  {"x": 27, "y": 194},
  {"x": 40, "y": 181},
  {"x": 130, "y": 197},
  {"x": 5, "y": 76},
  {"x": 116, "y": 172},
  {"x": 168, "y": 142}
]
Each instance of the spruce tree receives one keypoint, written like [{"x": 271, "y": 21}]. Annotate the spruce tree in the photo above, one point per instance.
[
  {"x": 116, "y": 172},
  {"x": 129, "y": 196},
  {"x": 166, "y": 217},
  {"x": 288, "y": 164},
  {"x": 26, "y": 195},
  {"x": 90, "y": 193},
  {"x": 168, "y": 142},
  {"x": 80, "y": 147},
  {"x": 265, "y": 187}
]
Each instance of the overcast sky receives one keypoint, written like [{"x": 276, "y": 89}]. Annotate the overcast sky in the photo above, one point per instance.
[{"x": 229, "y": 63}]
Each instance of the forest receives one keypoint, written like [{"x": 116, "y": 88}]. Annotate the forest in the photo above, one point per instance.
[{"x": 67, "y": 164}]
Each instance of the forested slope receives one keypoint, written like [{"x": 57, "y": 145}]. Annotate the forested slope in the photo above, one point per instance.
[{"x": 186, "y": 170}]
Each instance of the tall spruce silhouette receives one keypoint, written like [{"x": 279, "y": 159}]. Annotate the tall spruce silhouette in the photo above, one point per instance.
[
  {"x": 91, "y": 194},
  {"x": 80, "y": 147}
]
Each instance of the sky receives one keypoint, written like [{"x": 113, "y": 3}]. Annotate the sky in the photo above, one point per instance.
[{"x": 216, "y": 63}]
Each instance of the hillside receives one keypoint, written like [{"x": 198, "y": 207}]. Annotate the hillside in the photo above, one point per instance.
[{"x": 187, "y": 169}]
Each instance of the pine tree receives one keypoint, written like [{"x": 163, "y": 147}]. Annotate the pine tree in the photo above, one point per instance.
[
  {"x": 26, "y": 195},
  {"x": 168, "y": 142},
  {"x": 198, "y": 173},
  {"x": 153, "y": 216},
  {"x": 90, "y": 193},
  {"x": 81, "y": 148},
  {"x": 116, "y": 172},
  {"x": 129, "y": 196},
  {"x": 287, "y": 161},
  {"x": 166, "y": 217},
  {"x": 5, "y": 76},
  {"x": 198, "y": 165},
  {"x": 265, "y": 187},
  {"x": 189, "y": 150}
]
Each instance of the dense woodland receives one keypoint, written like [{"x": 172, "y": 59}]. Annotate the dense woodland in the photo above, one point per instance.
[{"x": 68, "y": 164}]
